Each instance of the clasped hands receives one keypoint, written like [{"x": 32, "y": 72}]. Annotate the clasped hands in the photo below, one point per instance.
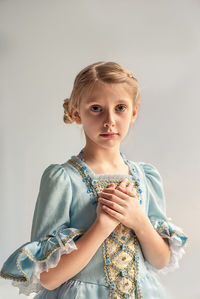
[{"x": 122, "y": 204}]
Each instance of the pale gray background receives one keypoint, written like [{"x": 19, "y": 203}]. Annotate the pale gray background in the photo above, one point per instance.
[{"x": 44, "y": 44}]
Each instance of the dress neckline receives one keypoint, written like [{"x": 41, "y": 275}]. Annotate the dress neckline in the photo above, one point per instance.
[
  {"x": 91, "y": 178},
  {"x": 109, "y": 175}
]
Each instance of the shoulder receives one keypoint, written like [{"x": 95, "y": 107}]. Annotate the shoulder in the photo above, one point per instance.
[
  {"x": 55, "y": 173},
  {"x": 153, "y": 185},
  {"x": 151, "y": 177},
  {"x": 148, "y": 170}
]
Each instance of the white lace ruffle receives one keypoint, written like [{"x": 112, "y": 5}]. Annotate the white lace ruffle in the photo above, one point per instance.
[
  {"x": 34, "y": 286},
  {"x": 177, "y": 252}
]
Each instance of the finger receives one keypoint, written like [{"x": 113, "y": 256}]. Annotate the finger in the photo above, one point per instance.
[
  {"x": 111, "y": 195},
  {"x": 130, "y": 190},
  {"x": 115, "y": 193},
  {"x": 122, "y": 184},
  {"x": 127, "y": 187},
  {"x": 111, "y": 204},
  {"x": 112, "y": 213},
  {"x": 111, "y": 186}
]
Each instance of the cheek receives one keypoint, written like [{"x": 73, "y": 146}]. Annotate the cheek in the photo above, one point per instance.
[
  {"x": 87, "y": 118},
  {"x": 125, "y": 126},
  {"x": 90, "y": 122}
]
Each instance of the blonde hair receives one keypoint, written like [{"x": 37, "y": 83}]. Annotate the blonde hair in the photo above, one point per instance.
[{"x": 99, "y": 72}]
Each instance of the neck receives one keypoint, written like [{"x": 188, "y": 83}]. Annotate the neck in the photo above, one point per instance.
[{"x": 110, "y": 157}]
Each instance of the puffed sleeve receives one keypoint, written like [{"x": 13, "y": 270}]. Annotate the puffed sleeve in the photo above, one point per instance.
[
  {"x": 157, "y": 215},
  {"x": 51, "y": 234}
]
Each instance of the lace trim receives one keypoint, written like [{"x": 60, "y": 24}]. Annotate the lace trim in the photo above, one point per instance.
[
  {"x": 177, "y": 240},
  {"x": 33, "y": 285},
  {"x": 177, "y": 253},
  {"x": 101, "y": 176}
]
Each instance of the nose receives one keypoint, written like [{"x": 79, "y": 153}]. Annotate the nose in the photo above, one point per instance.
[{"x": 109, "y": 119}]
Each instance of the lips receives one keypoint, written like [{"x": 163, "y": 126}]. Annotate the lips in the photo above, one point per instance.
[{"x": 108, "y": 134}]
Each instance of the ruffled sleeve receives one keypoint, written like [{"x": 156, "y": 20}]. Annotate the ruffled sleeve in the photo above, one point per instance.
[
  {"x": 51, "y": 234},
  {"x": 157, "y": 215}
]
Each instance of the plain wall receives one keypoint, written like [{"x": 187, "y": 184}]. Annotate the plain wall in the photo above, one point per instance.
[{"x": 44, "y": 44}]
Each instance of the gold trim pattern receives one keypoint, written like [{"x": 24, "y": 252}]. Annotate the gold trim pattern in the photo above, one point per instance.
[
  {"x": 27, "y": 253},
  {"x": 119, "y": 247}
]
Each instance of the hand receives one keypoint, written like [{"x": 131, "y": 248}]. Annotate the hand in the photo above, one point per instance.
[
  {"x": 107, "y": 222},
  {"x": 122, "y": 204}
]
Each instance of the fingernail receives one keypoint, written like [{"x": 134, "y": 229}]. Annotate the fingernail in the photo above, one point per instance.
[{"x": 111, "y": 185}]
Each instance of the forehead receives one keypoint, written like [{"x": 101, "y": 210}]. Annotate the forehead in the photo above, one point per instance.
[{"x": 106, "y": 91}]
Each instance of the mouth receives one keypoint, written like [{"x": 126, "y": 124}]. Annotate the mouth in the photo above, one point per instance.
[{"x": 109, "y": 134}]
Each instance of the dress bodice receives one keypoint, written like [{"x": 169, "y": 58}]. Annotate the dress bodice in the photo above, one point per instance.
[
  {"x": 66, "y": 208},
  {"x": 120, "y": 251}
]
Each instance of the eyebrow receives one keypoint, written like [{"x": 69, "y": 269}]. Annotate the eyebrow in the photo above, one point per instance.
[{"x": 92, "y": 100}]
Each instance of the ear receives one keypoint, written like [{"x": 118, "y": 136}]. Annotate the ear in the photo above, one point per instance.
[
  {"x": 134, "y": 114},
  {"x": 76, "y": 116}
]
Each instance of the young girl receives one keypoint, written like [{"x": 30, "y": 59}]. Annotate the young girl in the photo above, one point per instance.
[{"x": 100, "y": 228}]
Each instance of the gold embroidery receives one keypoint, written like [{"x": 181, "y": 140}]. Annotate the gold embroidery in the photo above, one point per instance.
[
  {"x": 125, "y": 284},
  {"x": 32, "y": 258},
  {"x": 120, "y": 249},
  {"x": 120, "y": 262}
]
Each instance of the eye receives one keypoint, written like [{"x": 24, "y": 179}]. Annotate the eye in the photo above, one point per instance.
[
  {"x": 121, "y": 107},
  {"x": 95, "y": 108}
]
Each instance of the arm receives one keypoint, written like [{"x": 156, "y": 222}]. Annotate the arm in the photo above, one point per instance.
[
  {"x": 155, "y": 249},
  {"x": 156, "y": 203},
  {"x": 70, "y": 264},
  {"x": 123, "y": 205},
  {"x": 87, "y": 245}
]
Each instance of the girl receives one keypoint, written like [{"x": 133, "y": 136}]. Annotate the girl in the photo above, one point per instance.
[{"x": 100, "y": 228}]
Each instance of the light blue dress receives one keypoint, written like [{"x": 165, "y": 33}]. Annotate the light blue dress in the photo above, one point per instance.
[{"x": 65, "y": 209}]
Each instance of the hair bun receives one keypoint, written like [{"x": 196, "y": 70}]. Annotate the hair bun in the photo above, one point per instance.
[
  {"x": 67, "y": 117},
  {"x": 66, "y": 100}
]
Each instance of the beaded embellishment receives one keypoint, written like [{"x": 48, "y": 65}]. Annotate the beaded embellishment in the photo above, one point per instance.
[
  {"x": 121, "y": 263},
  {"x": 120, "y": 249}
]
